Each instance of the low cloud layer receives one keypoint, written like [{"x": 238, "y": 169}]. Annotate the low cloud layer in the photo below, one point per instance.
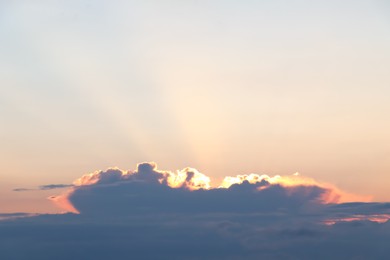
[{"x": 152, "y": 214}]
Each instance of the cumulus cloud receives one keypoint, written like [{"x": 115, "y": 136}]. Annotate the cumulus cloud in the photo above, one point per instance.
[
  {"x": 153, "y": 214},
  {"x": 147, "y": 172},
  {"x": 187, "y": 190}
]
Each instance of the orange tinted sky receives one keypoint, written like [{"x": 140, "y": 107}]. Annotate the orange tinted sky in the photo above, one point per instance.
[{"x": 227, "y": 87}]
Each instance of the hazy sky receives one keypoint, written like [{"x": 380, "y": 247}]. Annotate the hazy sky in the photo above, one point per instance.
[{"x": 226, "y": 87}]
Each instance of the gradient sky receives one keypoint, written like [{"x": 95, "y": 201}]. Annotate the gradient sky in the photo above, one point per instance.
[{"x": 226, "y": 87}]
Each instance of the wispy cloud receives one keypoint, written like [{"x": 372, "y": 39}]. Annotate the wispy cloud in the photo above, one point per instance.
[
  {"x": 23, "y": 189},
  {"x": 5, "y": 216},
  {"x": 45, "y": 187},
  {"x": 54, "y": 186}
]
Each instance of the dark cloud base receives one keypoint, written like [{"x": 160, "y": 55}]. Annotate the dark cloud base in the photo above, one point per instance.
[{"x": 219, "y": 236}]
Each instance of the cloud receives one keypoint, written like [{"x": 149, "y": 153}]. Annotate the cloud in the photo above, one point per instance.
[
  {"x": 147, "y": 172},
  {"x": 148, "y": 189},
  {"x": 54, "y": 186},
  {"x": 46, "y": 187},
  {"x": 4, "y": 216},
  {"x": 190, "y": 236},
  {"x": 153, "y": 214},
  {"x": 22, "y": 189}
]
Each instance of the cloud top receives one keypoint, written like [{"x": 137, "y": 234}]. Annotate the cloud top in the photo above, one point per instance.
[{"x": 188, "y": 178}]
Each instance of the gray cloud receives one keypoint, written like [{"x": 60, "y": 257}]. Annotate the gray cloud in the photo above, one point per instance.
[
  {"x": 149, "y": 190},
  {"x": 54, "y": 186},
  {"x": 152, "y": 214},
  {"x": 46, "y": 187},
  {"x": 23, "y": 189},
  {"x": 190, "y": 236}
]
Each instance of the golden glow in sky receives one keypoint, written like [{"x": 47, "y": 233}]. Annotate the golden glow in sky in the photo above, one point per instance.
[{"x": 227, "y": 88}]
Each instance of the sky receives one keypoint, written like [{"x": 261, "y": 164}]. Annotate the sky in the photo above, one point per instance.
[
  {"x": 260, "y": 128},
  {"x": 225, "y": 87}
]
